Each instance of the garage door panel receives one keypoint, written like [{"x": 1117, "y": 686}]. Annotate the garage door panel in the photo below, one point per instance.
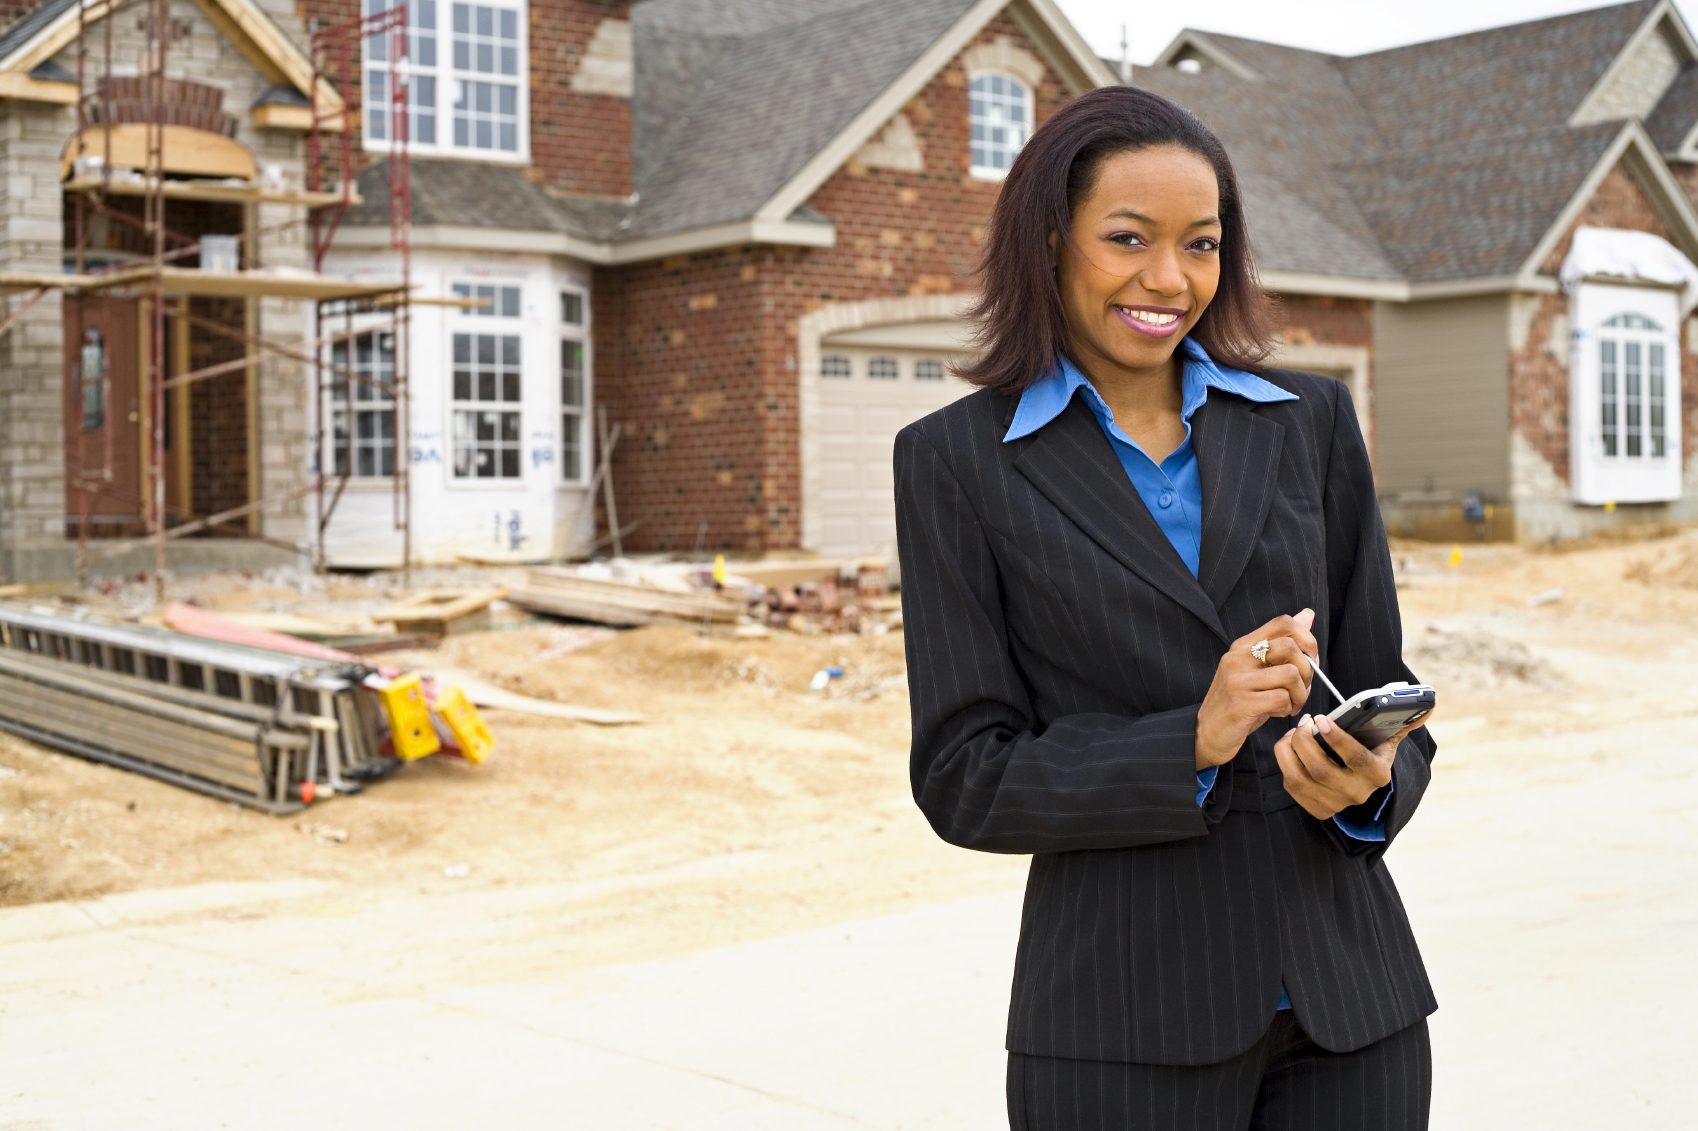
[{"x": 860, "y": 416}]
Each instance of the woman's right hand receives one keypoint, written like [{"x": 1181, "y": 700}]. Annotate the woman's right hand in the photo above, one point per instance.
[{"x": 1246, "y": 693}]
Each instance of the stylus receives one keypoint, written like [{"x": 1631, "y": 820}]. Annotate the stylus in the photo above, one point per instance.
[{"x": 1317, "y": 670}]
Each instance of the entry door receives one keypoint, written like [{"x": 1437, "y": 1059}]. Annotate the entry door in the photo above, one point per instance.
[
  {"x": 865, "y": 398},
  {"x": 102, "y": 415}
]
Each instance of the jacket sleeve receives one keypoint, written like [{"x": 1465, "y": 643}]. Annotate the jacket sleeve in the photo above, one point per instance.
[
  {"x": 1365, "y": 629},
  {"x": 985, "y": 772}
]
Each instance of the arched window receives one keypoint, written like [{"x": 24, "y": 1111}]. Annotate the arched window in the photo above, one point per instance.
[
  {"x": 1632, "y": 388},
  {"x": 1000, "y": 121}
]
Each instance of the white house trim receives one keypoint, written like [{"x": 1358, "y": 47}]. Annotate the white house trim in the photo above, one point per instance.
[
  {"x": 1634, "y": 144},
  {"x": 951, "y": 43},
  {"x": 791, "y": 233}
]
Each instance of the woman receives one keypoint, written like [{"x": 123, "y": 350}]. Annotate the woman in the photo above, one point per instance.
[{"x": 1119, "y": 557}]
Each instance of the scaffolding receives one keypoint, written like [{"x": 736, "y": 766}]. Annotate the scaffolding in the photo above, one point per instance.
[{"x": 160, "y": 282}]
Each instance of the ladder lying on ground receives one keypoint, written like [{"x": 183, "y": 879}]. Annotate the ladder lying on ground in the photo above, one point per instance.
[{"x": 246, "y": 724}]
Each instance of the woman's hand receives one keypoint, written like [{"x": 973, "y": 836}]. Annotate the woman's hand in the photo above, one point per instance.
[
  {"x": 1246, "y": 692},
  {"x": 1323, "y": 787}
]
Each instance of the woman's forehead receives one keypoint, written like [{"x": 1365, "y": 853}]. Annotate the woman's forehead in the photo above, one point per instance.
[{"x": 1158, "y": 185}]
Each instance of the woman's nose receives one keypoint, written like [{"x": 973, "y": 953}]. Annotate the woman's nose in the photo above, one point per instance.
[{"x": 1162, "y": 273}]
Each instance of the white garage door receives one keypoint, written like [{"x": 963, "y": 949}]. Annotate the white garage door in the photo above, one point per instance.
[{"x": 865, "y": 397}]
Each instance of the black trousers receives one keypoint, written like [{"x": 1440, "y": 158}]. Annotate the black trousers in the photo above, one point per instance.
[{"x": 1284, "y": 1082}]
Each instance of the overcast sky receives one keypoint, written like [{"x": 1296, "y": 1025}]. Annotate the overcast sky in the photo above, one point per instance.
[{"x": 1343, "y": 27}]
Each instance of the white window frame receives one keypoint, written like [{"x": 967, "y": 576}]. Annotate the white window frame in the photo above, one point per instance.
[
  {"x": 447, "y": 82},
  {"x": 578, "y": 419},
  {"x": 992, "y": 172},
  {"x": 340, "y": 331},
  {"x": 475, "y": 322},
  {"x": 1596, "y": 476}
]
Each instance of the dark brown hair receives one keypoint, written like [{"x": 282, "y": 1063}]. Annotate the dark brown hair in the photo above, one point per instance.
[{"x": 1021, "y": 327}]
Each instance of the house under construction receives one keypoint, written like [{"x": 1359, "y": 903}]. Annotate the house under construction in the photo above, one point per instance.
[{"x": 173, "y": 389}]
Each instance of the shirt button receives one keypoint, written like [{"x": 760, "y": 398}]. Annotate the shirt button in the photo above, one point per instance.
[{"x": 1166, "y": 500}]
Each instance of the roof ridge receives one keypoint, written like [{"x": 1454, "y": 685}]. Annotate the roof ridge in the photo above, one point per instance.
[{"x": 1498, "y": 28}]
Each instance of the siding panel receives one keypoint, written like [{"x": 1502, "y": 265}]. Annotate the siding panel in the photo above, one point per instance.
[{"x": 1441, "y": 396}]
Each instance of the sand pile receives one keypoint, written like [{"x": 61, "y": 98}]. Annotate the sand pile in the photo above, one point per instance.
[
  {"x": 1675, "y": 565},
  {"x": 1469, "y": 659}
]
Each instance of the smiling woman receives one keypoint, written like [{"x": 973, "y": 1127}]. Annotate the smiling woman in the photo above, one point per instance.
[{"x": 1123, "y": 559}]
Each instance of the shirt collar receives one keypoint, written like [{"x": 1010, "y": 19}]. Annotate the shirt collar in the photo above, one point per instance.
[{"x": 1046, "y": 397}]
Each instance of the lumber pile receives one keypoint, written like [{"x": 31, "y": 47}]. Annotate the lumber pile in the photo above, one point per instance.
[
  {"x": 808, "y": 596},
  {"x": 582, "y": 596}
]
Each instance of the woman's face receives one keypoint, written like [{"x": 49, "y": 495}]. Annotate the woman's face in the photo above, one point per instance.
[{"x": 1143, "y": 264}]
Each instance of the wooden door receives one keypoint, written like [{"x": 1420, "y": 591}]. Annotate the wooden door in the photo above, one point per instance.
[{"x": 103, "y": 415}]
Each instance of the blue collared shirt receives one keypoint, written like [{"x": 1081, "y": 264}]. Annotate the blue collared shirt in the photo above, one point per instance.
[{"x": 1171, "y": 489}]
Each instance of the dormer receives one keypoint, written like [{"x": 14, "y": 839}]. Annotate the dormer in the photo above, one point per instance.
[
  {"x": 1194, "y": 52},
  {"x": 1642, "y": 71}
]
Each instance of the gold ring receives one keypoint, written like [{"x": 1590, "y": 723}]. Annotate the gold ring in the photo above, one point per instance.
[{"x": 1260, "y": 650}]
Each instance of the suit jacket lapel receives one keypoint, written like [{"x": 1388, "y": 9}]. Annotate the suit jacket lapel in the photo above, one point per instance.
[
  {"x": 1237, "y": 459},
  {"x": 1074, "y": 465}
]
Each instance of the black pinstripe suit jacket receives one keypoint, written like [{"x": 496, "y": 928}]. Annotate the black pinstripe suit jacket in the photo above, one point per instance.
[{"x": 1058, "y": 649}]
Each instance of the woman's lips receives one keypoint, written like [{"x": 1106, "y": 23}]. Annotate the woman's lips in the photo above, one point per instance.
[{"x": 1146, "y": 328}]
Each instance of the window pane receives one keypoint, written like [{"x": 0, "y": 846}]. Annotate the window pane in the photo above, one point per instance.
[
  {"x": 1607, "y": 395},
  {"x": 1654, "y": 402},
  {"x": 835, "y": 367},
  {"x": 928, "y": 370},
  {"x": 882, "y": 369},
  {"x": 571, "y": 308},
  {"x": 1630, "y": 398}
]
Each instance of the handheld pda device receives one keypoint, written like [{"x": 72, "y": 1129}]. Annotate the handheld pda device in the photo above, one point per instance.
[{"x": 1372, "y": 716}]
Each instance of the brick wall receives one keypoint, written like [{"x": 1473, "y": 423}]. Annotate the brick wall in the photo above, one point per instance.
[
  {"x": 698, "y": 356},
  {"x": 579, "y": 142},
  {"x": 1538, "y": 374}
]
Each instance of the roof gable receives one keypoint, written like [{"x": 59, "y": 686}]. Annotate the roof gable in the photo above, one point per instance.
[
  {"x": 743, "y": 110},
  {"x": 50, "y": 28},
  {"x": 1436, "y": 162}
]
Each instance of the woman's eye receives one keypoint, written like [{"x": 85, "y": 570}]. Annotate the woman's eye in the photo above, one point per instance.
[
  {"x": 1214, "y": 244},
  {"x": 1121, "y": 238}
]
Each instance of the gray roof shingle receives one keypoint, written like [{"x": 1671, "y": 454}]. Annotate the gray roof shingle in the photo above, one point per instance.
[
  {"x": 1674, "y": 116},
  {"x": 25, "y": 29},
  {"x": 1437, "y": 161},
  {"x": 474, "y": 195},
  {"x": 732, "y": 100}
]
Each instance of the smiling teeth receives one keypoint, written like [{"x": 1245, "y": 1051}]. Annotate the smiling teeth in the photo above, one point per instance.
[{"x": 1152, "y": 318}]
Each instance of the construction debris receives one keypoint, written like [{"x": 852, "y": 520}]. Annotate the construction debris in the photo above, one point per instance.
[
  {"x": 438, "y": 612},
  {"x": 571, "y": 593}
]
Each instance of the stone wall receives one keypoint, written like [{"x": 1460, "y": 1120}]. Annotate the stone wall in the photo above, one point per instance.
[{"x": 32, "y": 138}]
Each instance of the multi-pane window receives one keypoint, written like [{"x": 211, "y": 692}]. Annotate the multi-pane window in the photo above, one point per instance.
[
  {"x": 487, "y": 386},
  {"x": 573, "y": 448},
  {"x": 999, "y": 121},
  {"x": 362, "y": 425},
  {"x": 466, "y": 76},
  {"x": 928, "y": 369},
  {"x": 882, "y": 369},
  {"x": 1632, "y": 388},
  {"x": 835, "y": 366}
]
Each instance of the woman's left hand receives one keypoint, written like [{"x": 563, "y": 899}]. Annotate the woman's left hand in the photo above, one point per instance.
[{"x": 1320, "y": 785}]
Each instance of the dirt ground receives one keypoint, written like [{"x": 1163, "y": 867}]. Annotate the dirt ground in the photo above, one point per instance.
[{"x": 748, "y": 805}]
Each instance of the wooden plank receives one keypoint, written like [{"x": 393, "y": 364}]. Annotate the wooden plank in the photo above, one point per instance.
[
  {"x": 437, "y": 607},
  {"x": 776, "y": 574},
  {"x": 500, "y": 699},
  {"x": 212, "y": 191},
  {"x": 187, "y": 150}
]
